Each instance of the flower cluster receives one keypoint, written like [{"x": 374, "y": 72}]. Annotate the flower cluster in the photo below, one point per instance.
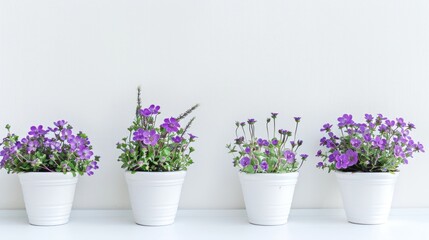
[
  {"x": 55, "y": 149},
  {"x": 377, "y": 145},
  {"x": 276, "y": 154},
  {"x": 153, "y": 148}
]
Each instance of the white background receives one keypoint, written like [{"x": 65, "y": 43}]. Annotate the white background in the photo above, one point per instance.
[{"x": 81, "y": 60}]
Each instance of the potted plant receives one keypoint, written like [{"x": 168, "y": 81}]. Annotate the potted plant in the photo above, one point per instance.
[
  {"x": 268, "y": 170},
  {"x": 365, "y": 158},
  {"x": 47, "y": 162},
  {"x": 156, "y": 159}
]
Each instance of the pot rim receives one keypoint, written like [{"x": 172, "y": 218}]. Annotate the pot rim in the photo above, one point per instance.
[
  {"x": 367, "y": 173},
  {"x": 268, "y": 174},
  {"x": 46, "y": 173},
  {"x": 154, "y": 173}
]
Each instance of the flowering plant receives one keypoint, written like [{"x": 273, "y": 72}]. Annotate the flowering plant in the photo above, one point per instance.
[
  {"x": 54, "y": 149},
  {"x": 271, "y": 155},
  {"x": 152, "y": 148},
  {"x": 377, "y": 145}
]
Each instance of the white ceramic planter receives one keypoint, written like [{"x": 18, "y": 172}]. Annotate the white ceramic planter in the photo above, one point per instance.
[
  {"x": 48, "y": 197},
  {"x": 367, "y": 197},
  {"x": 268, "y": 196},
  {"x": 155, "y": 196}
]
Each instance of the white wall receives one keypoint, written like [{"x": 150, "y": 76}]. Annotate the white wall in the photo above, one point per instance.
[{"x": 81, "y": 60}]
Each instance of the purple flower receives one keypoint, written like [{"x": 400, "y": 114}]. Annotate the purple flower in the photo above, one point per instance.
[
  {"x": 352, "y": 157},
  {"x": 171, "y": 125},
  {"x": 341, "y": 162},
  {"x": 274, "y": 141},
  {"x": 379, "y": 142},
  {"x": 300, "y": 142},
  {"x": 66, "y": 134},
  {"x": 264, "y": 165},
  {"x": 247, "y": 150},
  {"x": 390, "y": 123},
  {"x": 419, "y": 147},
  {"x": 152, "y": 110},
  {"x": 75, "y": 142},
  {"x": 382, "y": 128},
  {"x": 367, "y": 137},
  {"x": 92, "y": 166},
  {"x": 330, "y": 144},
  {"x": 369, "y": 117},
  {"x": 37, "y": 131},
  {"x": 176, "y": 139},
  {"x": 290, "y": 156},
  {"x": 267, "y": 152},
  {"x": 60, "y": 123},
  {"x": 84, "y": 152},
  {"x": 400, "y": 122},
  {"x": 334, "y": 156},
  {"x": 263, "y": 142},
  {"x": 251, "y": 121},
  {"x": 398, "y": 152},
  {"x": 355, "y": 142},
  {"x": 245, "y": 161},
  {"x": 304, "y": 156},
  {"x": 346, "y": 119},
  {"x": 326, "y": 127},
  {"x": 283, "y": 132},
  {"x": 150, "y": 137},
  {"x": 297, "y": 119},
  {"x": 319, "y": 153},
  {"x": 32, "y": 146},
  {"x": 274, "y": 115},
  {"x": 192, "y": 137},
  {"x": 319, "y": 164},
  {"x": 411, "y": 126}
]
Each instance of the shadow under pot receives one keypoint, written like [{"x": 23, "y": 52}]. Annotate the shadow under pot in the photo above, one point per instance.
[
  {"x": 48, "y": 197},
  {"x": 268, "y": 196},
  {"x": 367, "y": 197},
  {"x": 155, "y": 196}
]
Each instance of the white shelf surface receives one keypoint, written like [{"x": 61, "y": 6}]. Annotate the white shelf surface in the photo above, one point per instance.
[{"x": 314, "y": 224}]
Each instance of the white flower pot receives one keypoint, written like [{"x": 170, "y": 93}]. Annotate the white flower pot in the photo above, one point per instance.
[
  {"x": 268, "y": 196},
  {"x": 367, "y": 197},
  {"x": 48, "y": 197},
  {"x": 155, "y": 196}
]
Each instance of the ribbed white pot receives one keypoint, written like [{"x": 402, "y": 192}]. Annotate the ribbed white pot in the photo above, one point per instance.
[
  {"x": 268, "y": 196},
  {"x": 155, "y": 196},
  {"x": 48, "y": 197},
  {"x": 367, "y": 197}
]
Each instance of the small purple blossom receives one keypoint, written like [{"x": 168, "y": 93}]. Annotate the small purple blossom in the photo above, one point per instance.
[
  {"x": 275, "y": 141},
  {"x": 251, "y": 121},
  {"x": 264, "y": 165},
  {"x": 176, "y": 139},
  {"x": 326, "y": 127},
  {"x": 245, "y": 161},
  {"x": 247, "y": 150},
  {"x": 297, "y": 119},
  {"x": 262, "y": 142},
  {"x": 290, "y": 156},
  {"x": 171, "y": 125},
  {"x": 60, "y": 123},
  {"x": 151, "y": 110},
  {"x": 345, "y": 120},
  {"x": 191, "y": 136},
  {"x": 355, "y": 142},
  {"x": 37, "y": 131}
]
